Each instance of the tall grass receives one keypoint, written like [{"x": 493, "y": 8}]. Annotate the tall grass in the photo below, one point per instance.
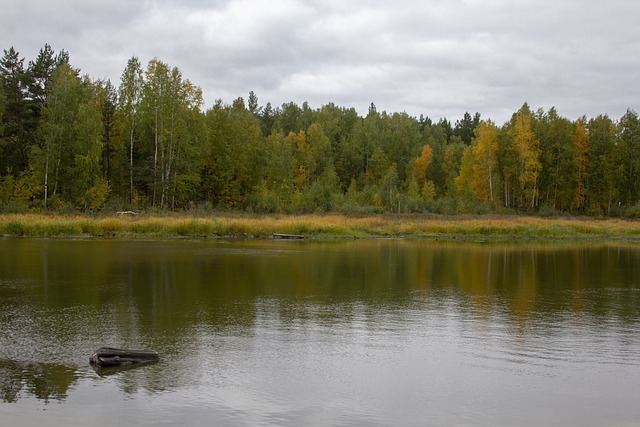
[{"x": 319, "y": 226}]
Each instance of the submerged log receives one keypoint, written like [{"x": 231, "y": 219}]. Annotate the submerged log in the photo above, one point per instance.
[
  {"x": 288, "y": 236},
  {"x": 107, "y": 356}
]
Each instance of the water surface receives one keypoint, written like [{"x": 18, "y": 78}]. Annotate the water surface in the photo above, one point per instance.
[{"x": 375, "y": 333}]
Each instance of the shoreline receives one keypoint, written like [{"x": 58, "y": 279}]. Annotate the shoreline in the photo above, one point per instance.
[{"x": 319, "y": 227}]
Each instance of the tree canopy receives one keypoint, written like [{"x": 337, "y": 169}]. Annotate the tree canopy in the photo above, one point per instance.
[{"x": 72, "y": 143}]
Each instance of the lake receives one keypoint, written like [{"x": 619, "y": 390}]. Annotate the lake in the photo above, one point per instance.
[{"x": 321, "y": 333}]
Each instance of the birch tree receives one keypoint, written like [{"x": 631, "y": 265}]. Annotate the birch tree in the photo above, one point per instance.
[
  {"x": 56, "y": 128},
  {"x": 88, "y": 188},
  {"x": 130, "y": 96},
  {"x": 526, "y": 145},
  {"x": 155, "y": 100},
  {"x": 605, "y": 169},
  {"x": 581, "y": 144},
  {"x": 485, "y": 149}
]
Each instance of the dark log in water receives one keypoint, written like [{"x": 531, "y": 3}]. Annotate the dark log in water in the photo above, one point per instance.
[
  {"x": 287, "y": 236},
  {"x": 107, "y": 356}
]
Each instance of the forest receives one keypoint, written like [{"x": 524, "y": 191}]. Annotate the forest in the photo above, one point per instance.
[{"x": 70, "y": 143}]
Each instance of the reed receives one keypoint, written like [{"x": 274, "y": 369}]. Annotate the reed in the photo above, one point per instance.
[{"x": 319, "y": 226}]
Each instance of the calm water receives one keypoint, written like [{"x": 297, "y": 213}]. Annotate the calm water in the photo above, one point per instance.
[{"x": 350, "y": 333}]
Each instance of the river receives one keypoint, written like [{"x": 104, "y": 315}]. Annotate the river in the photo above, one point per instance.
[{"x": 321, "y": 333}]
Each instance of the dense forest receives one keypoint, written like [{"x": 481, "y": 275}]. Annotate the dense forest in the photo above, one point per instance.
[{"x": 71, "y": 143}]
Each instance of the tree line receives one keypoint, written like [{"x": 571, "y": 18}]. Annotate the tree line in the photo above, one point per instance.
[{"x": 72, "y": 143}]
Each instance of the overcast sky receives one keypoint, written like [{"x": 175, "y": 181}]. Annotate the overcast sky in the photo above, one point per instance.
[{"x": 439, "y": 58}]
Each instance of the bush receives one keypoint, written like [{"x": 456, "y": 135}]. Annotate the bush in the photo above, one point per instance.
[
  {"x": 547, "y": 211},
  {"x": 633, "y": 212},
  {"x": 13, "y": 206}
]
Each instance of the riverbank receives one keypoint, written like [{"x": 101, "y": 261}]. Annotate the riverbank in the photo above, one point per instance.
[{"x": 318, "y": 226}]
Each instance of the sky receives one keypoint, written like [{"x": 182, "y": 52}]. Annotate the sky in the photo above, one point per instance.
[{"x": 437, "y": 58}]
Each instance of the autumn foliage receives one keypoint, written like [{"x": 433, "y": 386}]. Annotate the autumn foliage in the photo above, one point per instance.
[{"x": 70, "y": 143}]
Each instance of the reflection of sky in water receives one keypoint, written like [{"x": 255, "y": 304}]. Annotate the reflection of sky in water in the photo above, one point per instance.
[{"x": 243, "y": 347}]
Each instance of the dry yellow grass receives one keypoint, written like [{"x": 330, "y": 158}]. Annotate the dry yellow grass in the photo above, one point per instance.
[{"x": 321, "y": 226}]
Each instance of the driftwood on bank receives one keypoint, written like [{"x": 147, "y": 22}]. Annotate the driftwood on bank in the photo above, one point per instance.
[{"x": 108, "y": 357}]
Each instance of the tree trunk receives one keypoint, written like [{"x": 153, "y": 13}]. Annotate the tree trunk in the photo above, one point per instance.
[
  {"x": 46, "y": 181},
  {"x": 131, "y": 160},
  {"x": 155, "y": 162}
]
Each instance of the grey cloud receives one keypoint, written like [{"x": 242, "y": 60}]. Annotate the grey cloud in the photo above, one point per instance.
[{"x": 438, "y": 57}]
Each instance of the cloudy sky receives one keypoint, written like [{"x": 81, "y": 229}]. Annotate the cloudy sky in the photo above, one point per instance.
[{"x": 439, "y": 58}]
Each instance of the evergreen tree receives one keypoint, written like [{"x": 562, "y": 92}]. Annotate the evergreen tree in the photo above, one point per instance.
[
  {"x": 465, "y": 128},
  {"x": 252, "y": 105},
  {"x": 15, "y": 139}
]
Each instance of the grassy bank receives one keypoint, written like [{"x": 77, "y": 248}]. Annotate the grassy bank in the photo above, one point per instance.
[{"x": 318, "y": 226}]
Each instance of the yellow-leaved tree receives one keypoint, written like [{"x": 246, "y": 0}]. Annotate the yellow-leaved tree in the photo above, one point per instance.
[
  {"x": 527, "y": 147},
  {"x": 485, "y": 149},
  {"x": 420, "y": 165},
  {"x": 418, "y": 173},
  {"x": 478, "y": 172}
]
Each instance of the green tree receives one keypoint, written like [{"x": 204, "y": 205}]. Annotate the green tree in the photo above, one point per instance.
[
  {"x": 14, "y": 143},
  {"x": 436, "y": 138},
  {"x": 445, "y": 127},
  {"x": 558, "y": 177},
  {"x": 252, "y": 104},
  {"x": 371, "y": 137},
  {"x": 106, "y": 98},
  {"x": 321, "y": 150},
  {"x": 276, "y": 191},
  {"x": 88, "y": 189},
  {"x": 605, "y": 168},
  {"x": 155, "y": 98},
  {"x": 402, "y": 141},
  {"x": 38, "y": 74},
  {"x": 188, "y": 146},
  {"x": 321, "y": 193},
  {"x": 465, "y": 128},
  {"x": 350, "y": 158},
  {"x": 217, "y": 170},
  {"x": 289, "y": 118},
  {"x": 388, "y": 187},
  {"x": 628, "y": 143},
  {"x": 267, "y": 119},
  {"x": 378, "y": 166},
  {"x": 581, "y": 150},
  {"x": 303, "y": 159},
  {"x": 235, "y": 155},
  {"x": 56, "y": 130},
  {"x": 129, "y": 99}
]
